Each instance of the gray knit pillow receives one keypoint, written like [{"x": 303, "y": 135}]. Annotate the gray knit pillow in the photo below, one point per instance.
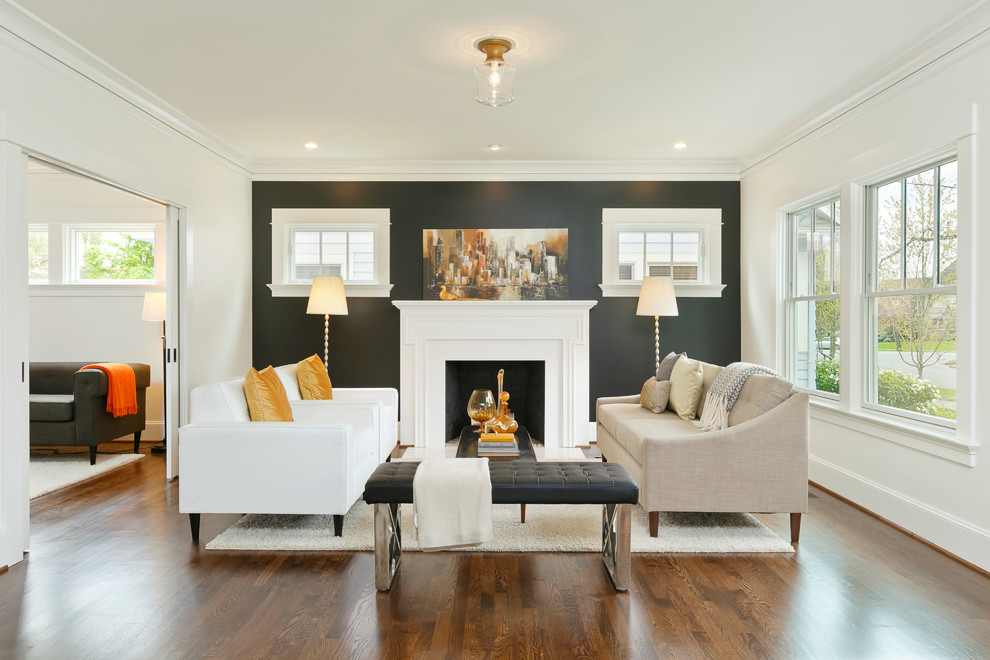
[{"x": 654, "y": 395}]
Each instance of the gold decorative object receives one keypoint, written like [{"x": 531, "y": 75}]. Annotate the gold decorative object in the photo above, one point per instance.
[
  {"x": 446, "y": 295},
  {"x": 504, "y": 421},
  {"x": 481, "y": 407}
]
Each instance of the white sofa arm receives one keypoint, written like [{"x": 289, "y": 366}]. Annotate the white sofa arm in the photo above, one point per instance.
[{"x": 264, "y": 467}]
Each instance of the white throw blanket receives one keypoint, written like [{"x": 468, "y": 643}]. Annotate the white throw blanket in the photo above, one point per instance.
[
  {"x": 724, "y": 392},
  {"x": 452, "y": 502}
]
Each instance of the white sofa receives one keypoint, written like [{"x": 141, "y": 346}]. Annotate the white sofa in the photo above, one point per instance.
[{"x": 316, "y": 464}]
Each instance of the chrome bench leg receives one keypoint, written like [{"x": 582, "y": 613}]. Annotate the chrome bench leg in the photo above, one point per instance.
[
  {"x": 616, "y": 532},
  {"x": 388, "y": 544}
]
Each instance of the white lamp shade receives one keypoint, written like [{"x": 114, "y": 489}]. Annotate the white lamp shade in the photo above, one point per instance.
[
  {"x": 326, "y": 296},
  {"x": 656, "y": 297},
  {"x": 154, "y": 306}
]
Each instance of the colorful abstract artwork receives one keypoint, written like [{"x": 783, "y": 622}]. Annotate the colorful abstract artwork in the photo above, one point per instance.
[{"x": 495, "y": 264}]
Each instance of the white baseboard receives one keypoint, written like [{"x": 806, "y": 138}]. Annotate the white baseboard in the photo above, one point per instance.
[{"x": 959, "y": 537}]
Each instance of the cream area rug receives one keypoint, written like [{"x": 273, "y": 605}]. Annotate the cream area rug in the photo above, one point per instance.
[
  {"x": 548, "y": 528},
  {"x": 52, "y": 472}
]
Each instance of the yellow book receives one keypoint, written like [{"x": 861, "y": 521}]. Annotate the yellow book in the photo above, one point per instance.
[{"x": 497, "y": 437}]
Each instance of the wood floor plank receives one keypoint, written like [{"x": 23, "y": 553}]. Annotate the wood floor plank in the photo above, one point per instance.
[{"x": 113, "y": 573}]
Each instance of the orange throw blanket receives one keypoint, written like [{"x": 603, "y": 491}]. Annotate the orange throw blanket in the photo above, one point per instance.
[{"x": 122, "y": 393}]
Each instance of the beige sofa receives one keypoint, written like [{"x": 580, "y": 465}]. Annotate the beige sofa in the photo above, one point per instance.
[{"x": 759, "y": 463}]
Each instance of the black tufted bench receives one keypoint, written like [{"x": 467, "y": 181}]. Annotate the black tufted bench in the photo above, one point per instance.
[{"x": 515, "y": 482}]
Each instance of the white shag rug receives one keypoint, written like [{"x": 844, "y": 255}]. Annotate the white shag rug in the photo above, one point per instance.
[
  {"x": 50, "y": 473},
  {"x": 548, "y": 528}
]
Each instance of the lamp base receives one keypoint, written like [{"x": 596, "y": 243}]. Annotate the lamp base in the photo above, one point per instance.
[{"x": 159, "y": 449}]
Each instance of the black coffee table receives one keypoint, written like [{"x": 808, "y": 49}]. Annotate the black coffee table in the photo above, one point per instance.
[{"x": 467, "y": 446}]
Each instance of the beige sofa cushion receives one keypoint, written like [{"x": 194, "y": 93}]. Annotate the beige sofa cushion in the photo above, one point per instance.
[
  {"x": 685, "y": 387},
  {"x": 630, "y": 424},
  {"x": 760, "y": 394}
]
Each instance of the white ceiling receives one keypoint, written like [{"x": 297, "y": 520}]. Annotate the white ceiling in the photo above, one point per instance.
[{"x": 597, "y": 81}]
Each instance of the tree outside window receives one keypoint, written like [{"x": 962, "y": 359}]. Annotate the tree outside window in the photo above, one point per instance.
[
  {"x": 914, "y": 302},
  {"x": 121, "y": 255}
]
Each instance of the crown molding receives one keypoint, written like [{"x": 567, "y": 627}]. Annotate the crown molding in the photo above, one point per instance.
[
  {"x": 479, "y": 170},
  {"x": 954, "y": 41},
  {"x": 46, "y": 46}
]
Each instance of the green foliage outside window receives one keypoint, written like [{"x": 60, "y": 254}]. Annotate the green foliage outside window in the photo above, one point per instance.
[
  {"x": 827, "y": 375},
  {"x": 116, "y": 256},
  {"x": 38, "y": 256},
  {"x": 894, "y": 388}
]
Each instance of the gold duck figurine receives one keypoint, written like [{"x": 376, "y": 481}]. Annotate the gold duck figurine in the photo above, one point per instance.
[{"x": 447, "y": 295}]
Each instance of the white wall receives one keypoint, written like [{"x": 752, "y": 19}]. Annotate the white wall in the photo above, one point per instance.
[
  {"x": 941, "y": 500},
  {"x": 49, "y": 110}
]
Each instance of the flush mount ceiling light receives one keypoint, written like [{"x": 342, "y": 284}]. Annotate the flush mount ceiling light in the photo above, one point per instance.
[
  {"x": 311, "y": 145},
  {"x": 680, "y": 145},
  {"x": 494, "y": 75}
]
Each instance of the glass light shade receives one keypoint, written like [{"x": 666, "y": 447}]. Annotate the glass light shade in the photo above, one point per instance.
[{"x": 494, "y": 79}]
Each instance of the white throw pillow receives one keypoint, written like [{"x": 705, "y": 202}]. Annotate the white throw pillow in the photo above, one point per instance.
[{"x": 685, "y": 387}]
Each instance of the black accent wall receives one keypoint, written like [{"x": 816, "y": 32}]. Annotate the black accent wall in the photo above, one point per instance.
[{"x": 364, "y": 346}]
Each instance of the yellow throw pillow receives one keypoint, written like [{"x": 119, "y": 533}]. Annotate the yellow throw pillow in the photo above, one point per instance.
[
  {"x": 314, "y": 383},
  {"x": 266, "y": 397},
  {"x": 685, "y": 387}
]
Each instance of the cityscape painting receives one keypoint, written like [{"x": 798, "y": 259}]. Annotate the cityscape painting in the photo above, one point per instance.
[{"x": 495, "y": 264}]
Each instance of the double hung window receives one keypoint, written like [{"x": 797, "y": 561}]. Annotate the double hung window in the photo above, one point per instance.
[
  {"x": 911, "y": 293},
  {"x": 812, "y": 301}
]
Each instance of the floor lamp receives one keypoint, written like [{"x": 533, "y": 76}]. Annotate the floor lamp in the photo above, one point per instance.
[
  {"x": 327, "y": 297},
  {"x": 656, "y": 299},
  {"x": 154, "y": 310}
]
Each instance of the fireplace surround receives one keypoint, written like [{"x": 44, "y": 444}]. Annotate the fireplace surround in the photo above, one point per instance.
[{"x": 555, "y": 332}]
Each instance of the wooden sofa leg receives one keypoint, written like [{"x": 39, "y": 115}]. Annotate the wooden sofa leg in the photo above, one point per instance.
[
  {"x": 338, "y": 525},
  {"x": 92, "y": 455},
  {"x": 137, "y": 442},
  {"x": 194, "y": 526},
  {"x": 654, "y": 523},
  {"x": 795, "y": 527}
]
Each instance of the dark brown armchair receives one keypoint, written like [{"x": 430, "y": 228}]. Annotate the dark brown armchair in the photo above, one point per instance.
[{"x": 69, "y": 406}]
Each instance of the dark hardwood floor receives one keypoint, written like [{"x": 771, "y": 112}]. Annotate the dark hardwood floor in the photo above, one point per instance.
[{"x": 112, "y": 573}]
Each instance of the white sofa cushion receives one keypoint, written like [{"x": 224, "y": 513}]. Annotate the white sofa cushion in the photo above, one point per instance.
[{"x": 760, "y": 393}]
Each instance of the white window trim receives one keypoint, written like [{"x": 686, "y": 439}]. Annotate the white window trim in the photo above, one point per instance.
[
  {"x": 285, "y": 220},
  {"x": 850, "y": 411},
  {"x": 708, "y": 221},
  {"x": 787, "y": 281},
  {"x": 68, "y": 252}
]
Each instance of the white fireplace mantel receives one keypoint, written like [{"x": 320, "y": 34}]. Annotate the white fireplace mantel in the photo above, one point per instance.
[{"x": 433, "y": 332}]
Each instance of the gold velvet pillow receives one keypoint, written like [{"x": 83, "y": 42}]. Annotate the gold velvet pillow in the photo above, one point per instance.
[
  {"x": 266, "y": 397},
  {"x": 685, "y": 387},
  {"x": 314, "y": 383}
]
